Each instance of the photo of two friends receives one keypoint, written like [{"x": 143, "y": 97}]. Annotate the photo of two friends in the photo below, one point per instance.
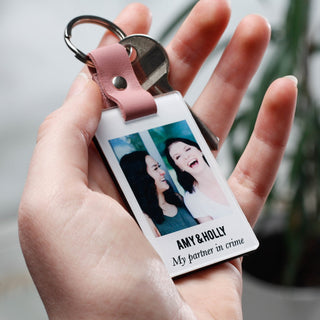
[{"x": 170, "y": 178}]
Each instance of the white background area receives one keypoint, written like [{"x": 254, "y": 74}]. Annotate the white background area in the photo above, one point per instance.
[{"x": 36, "y": 71}]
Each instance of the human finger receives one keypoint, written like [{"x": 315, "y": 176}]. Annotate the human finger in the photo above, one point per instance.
[
  {"x": 195, "y": 40},
  {"x": 218, "y": 104},
  {"x": 254, "y": 175},
  {"x": 135, "y": 18}
]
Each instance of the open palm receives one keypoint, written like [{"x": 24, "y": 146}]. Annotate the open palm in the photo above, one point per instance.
[{"x": 87, "y": 256}]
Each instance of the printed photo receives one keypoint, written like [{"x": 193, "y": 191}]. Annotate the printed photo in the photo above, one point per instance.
[
  {"x": 170, "y": 178},
  {"x": 174, "y": 186}
]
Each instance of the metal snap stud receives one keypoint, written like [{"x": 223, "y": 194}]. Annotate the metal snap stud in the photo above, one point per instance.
[{"x": 119, "y": 82}]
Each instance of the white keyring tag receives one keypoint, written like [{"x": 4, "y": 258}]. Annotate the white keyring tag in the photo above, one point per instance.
[{"x": 162, "y": 165}]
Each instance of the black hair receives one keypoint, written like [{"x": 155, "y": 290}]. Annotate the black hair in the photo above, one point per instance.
[
  {"x": 143, "y": 186},
  {"x": 184, "y": 178}
]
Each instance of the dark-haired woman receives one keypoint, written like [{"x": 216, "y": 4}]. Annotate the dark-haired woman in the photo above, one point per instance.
[
  {"x": 204, "y": 198},
  {"x": 165, "y": 208}
]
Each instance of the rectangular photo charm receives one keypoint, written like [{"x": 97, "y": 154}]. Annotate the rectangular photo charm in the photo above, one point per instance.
[{"x": 174, "y": 186}]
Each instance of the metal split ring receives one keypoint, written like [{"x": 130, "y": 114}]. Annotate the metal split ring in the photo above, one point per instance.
[{"x": 94, "y": 20}]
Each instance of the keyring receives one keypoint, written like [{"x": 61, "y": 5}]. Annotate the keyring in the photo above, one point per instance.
[{"x": 94, "y": 20}]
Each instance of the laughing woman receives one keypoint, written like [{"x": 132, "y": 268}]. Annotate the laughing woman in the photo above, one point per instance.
[
  {"x": 164, "y": 208},
  {"x": 203, "y": 197}
]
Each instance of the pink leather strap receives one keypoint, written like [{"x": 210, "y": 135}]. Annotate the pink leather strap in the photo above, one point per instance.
[{"x": 113, "y": 61}]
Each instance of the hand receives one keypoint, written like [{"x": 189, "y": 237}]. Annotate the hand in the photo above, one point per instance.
[{"x": 86, "y": 255}]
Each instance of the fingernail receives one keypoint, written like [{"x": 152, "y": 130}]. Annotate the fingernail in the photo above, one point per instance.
[
  {"x": 268, "y": 23},
  {"x": 228, "y": 3},
  {"x": 79, "y": 84},
  {"x": 293, "y": 79}
]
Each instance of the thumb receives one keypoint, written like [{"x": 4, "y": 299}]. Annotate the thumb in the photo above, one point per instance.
[
  {"x": 79, "y": 83},
  {"x": 61, "y": 154}
]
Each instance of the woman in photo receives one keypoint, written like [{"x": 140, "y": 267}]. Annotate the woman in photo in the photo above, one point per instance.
[
  {"x": 164, "y": 208},
  {"x": 203, "y": 197}
]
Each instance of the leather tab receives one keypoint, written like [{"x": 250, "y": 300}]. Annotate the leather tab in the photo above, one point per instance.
[{"x": 112, "y": 62}]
